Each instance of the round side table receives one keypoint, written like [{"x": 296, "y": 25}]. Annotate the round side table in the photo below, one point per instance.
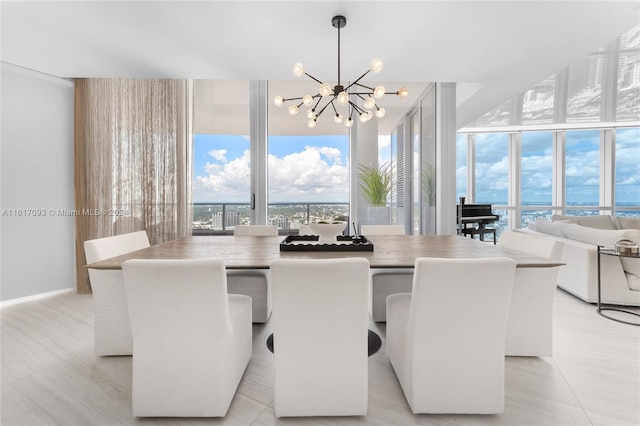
[{"x": 609, "y": 307}]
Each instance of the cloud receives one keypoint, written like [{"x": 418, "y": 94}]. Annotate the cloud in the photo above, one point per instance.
[
  {"x": 315, "y": 174},
  {"x": 219, "y": 154}
]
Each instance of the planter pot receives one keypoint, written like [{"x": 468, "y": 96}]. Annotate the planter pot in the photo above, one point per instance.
[{"x": 379, "y": 216}]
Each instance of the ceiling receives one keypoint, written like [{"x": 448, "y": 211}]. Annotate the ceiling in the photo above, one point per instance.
[{"x": 493, "y": 50}]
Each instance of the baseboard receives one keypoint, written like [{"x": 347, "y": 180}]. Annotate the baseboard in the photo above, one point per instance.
[{"x": 19, "y": 300}]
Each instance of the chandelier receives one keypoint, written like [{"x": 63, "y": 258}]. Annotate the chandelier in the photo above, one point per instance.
[{"x": 340, "y": 94}]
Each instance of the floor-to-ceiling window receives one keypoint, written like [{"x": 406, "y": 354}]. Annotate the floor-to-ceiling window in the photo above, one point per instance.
[
  {"x": 537, "y": 175},
  {"x": 307, "y": 167},
  {"x": 582, "y": 172},
  {"x": 221, "y": 155},
  {"x": 627, "y": 183},
  {"x": 561, "y": 133}
]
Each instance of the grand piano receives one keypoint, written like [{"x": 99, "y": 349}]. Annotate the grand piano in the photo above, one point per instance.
[{"x": 473, "y": 219}]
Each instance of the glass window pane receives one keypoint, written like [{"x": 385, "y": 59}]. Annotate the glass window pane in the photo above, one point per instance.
[
  {"x": 538, "y": 102},
  {"x": 461, "y": 166},
  {"x": 496, "y": 117},
  {"x": 416, "y": 181},
  {"x": 428, "y": 173},
  {"x": 582, "y": 168},
  {"x": 585, "y": 89},
  {"x": 308, "y": 168},
  {"x": 627, "y": 171},
  {"x": 628, "y": 99},
  {"x": 492, "y": 178},
  {"x": 221, "y": 181},
  {"x": 537, "y": 169}
]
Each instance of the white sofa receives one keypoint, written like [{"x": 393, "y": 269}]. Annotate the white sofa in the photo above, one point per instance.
[{"x": 582, "y": 235}]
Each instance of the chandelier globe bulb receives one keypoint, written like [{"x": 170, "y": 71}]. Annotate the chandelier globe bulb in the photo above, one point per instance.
[
  {"x": 311, "y": 113},
  {"x": 349, "y": 122},
  {"x": 380, "y": 112},
  {"x": 278, "y": 100},
  {"x": 378, "y": 92},
  {"x": 325, "y": 89},
  {"x": 312, "y": 123},
  {"x": 307, "y": 100},
  {"x": 337, "y": 119},
  {"x": 298, "y": 70},
  {"x": 293, "y": 109},
  {"x": 343, "y": 98},
  {"x": 369, "y": 103},
  {"x": 403, "y": 92},
  {"x": 362, "y": 117},
  {"x": 376, "y": 65}
]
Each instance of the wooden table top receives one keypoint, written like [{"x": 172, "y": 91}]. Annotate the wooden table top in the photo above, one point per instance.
[{"x": 392, "y": 251}]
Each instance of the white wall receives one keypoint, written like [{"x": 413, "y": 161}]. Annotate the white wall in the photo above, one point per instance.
[{"x": 37, "y": 253}]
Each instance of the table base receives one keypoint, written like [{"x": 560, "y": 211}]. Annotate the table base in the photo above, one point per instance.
[
  {"x": 373, "y": 340},
  {"x": 610, "y": 308}
]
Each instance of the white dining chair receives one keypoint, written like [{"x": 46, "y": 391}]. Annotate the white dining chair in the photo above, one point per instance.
[
  {"x": 386, "y": 281},
  {"x": 191, "y": 339},
  {"x": 254, "y": 283},
  {"x": 445, "y": 340},
  {"x": 112, "y": 329},
  {"x": 530, "y": 324},
  {"x": 320, "y": 329}
]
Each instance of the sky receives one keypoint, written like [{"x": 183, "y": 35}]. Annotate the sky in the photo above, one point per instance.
[
  {"x": 300, "y": 168},
  {"x": 316, "y": 168},
  {"x": 582, "y": 167}
]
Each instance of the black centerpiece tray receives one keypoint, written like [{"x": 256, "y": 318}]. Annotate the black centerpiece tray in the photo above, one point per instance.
[{"x": 310, "y": 243}]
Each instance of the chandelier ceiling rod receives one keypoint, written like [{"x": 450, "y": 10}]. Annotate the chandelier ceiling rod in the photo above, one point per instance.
[{"x": 339, "y": 93}]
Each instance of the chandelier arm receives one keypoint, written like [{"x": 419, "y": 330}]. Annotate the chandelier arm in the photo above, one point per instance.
[
  {"x": 291, "y": 99},
  {"x": 356, "y": 107},
  {"x": 366, "y": 87},
  {"x": 361, "y": 93},
  {"x": 312, "y": 77},
  {"x": 316, "y": 105},
  {"x": 358, "y": 79},
  {"x": 323, "y": 108},
  {"x": 334, "y": 108}
]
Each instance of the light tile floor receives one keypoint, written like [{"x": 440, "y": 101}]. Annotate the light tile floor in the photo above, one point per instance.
[{"x": 50, "y": 376}]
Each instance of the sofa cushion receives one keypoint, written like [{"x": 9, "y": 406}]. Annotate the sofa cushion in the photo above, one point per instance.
[
  {"x": 631, "y": 267},
  {"x": 607, "y": 238},
  {"x": 628, "y": 222},
  {"x": 547, "y": 227},
  {"x": 597, "y": 221},
  {"x": 633, "y": 280},
  {"x": 601, "y": 237}
]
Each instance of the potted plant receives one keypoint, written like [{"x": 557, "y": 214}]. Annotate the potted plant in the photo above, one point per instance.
[
  {"x": 376, "y": 184},
  {"x": 429, "y": 197}
]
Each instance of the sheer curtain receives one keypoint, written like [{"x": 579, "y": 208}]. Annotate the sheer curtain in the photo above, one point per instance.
[{"x": 132, "y": 161}]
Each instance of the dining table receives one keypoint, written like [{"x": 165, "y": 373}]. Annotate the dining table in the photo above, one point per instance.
[{"x": 389, "y": 251}]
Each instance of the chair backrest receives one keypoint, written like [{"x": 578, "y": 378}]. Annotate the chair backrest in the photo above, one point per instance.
[
  {"x": 105, "y": 248},
  {"x": 459, "y": 308},
  {"x": 176, "y": 300},
  {"x": 320, "y": 321},
  {"x": 382, "y": 230},
  {"x": 256, "y": 230},
  {"x": 532, "y": 244}
]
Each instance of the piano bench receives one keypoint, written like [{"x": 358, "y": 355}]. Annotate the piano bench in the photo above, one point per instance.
[{"x": 472, "y": 232}]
